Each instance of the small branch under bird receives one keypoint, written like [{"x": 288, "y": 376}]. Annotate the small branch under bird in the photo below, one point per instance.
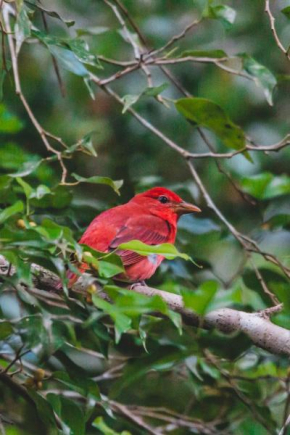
[{"x": 150, "y": 217}]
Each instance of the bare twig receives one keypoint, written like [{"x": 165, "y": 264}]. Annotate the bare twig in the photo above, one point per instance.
[{"x": 272, "y": 25}]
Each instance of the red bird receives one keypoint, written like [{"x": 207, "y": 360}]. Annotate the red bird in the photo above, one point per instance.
[{"x": 150, "y": 217}]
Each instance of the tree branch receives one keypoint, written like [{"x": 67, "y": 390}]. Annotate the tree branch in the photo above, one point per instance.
[{"x": 257, "y": 326}]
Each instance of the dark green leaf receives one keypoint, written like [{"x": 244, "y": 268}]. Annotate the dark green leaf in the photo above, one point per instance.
[
  {"x": 207, "y": 114},
  {"x": 6, "y": 329},
  {"x": 11, "y": 211},
  {"x": 44, "y": 409},
  {"x": 115, "y": 185},
  {"x": 286, "y": 12},
  {"x": 73, "y": 416}
]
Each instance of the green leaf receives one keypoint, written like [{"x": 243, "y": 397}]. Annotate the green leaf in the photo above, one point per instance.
[
  {"x": 286, "y": 12},
  {"x": 53, "y": 14},
  {"x": 110, "y": 266},
  {"x": 200, "y": 299},
  {"x": 224, "y": 13},
  {"x": 28, "y": 190},
  {"x": 261, "y": 75},
  {"x": 266, "y": 185},
  {"x": 212, "y": 54},
  {"x": 44, "y": 409},
  {"x": 206, "y": 113},
  {"x": 106, "y": 430},
  {"x": 68, "y": 60},
  {"x": 6, "y": 329},
  {"x": 73, "y": 416},
  {"x": 167, "y": 250},
  {"x": 22, "y": 27},
  {"x": 87, "y": 144},
  {"x": 9, "y": 123},
  {"x": 10, "y": 211},
  {"x": 115, "y": 185},
  {"x": 121, "y": 321},
  {"x": 152, "y": 91},
  {"x": 26, "y": 169},
  {"x": 66, "y": 57},
  {"x": 40, "y": 192},
  {"x": 81, "y": 50}
]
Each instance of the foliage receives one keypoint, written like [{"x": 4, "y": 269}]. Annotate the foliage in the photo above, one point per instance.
[{"x": 75, "y": 362}]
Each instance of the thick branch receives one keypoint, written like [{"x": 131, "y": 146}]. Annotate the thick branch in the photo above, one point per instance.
[{"x": 256, "y": 326}]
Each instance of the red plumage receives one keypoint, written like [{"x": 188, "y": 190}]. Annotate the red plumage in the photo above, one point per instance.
[{"x": 150, "y": 217}]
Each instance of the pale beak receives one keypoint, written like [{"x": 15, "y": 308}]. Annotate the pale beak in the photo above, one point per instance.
[{"x": 185, "y": 208}]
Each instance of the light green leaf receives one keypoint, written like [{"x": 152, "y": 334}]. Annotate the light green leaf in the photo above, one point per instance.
[
  {"x": 266, "y": 185},
  {"x": 199, "y": 300},
  {"x": 26, "y": 169},
  {"x": 81, "y": 50},
  {"x": 206, "y": 113},
  {"x": 28, "y": 190},
  {"x": 261, "y": 75},
  {"x": 10, "y": 211},
  {"x": 87, "y": 143},
  {"x": 129, "y": 100},
  {"x": 9, "y": 123},
  {"x": 110, "y": 266},
  {"x": 68, "y": 60},
  {"x": 224, "y": 13},
  {"x": 66, "y": 57},
  {"x": 152, "y": 91},
  {"x": 167, "y": 250},
  {"x": 40, "y": 192},
  {"x": 106, "y": 430},
  {"x": 115, "y": 185}
]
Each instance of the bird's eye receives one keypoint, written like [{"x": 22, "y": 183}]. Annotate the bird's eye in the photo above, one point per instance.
[{"x": 163, "y": 199}]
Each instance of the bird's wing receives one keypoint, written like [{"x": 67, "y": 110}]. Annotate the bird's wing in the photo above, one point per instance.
[{"x": 148, "y": 229}]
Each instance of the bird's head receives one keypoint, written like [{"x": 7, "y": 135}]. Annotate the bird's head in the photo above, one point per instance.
[{"x": 164, "y": 203}]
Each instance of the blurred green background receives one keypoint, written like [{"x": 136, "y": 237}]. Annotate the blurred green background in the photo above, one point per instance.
[{"x": 177, "y": 372}]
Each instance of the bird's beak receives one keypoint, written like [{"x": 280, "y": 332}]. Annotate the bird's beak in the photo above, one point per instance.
[{"x": 185, "y": 208}]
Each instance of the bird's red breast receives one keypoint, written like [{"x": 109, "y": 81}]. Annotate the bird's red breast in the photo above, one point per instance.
[{"x": 150, "y": 217}]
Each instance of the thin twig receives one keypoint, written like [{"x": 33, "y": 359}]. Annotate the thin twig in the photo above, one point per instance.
[{"x": 272, "y": 25}]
